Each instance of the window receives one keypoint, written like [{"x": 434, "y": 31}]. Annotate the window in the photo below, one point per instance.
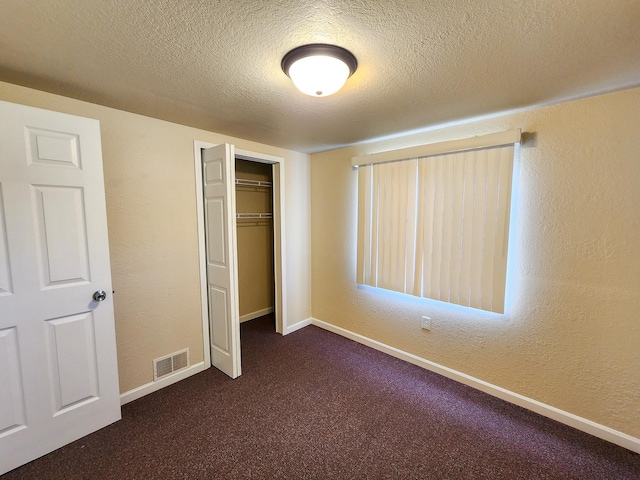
[{"x": 433, "y": 221}]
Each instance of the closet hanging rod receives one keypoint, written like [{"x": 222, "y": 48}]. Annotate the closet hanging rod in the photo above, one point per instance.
[
  {"x": 253, "y": 183},
  {"x": 253, "y": 216}
]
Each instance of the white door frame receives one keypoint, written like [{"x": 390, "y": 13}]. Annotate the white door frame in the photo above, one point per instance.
[{"x": 278, "y": 238}]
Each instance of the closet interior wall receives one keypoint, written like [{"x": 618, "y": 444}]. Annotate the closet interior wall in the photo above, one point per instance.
[{"x": 254, "y": 210}]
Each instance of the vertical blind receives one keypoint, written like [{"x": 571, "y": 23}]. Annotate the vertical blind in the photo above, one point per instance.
[{"x": 437, "y": 226}]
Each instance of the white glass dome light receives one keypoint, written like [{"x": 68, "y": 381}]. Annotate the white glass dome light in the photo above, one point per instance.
[
  {"x": 318, "y": 69},
  {"x": 319, "y": 75}
]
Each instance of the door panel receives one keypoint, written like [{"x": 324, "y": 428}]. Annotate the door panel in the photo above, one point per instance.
[
  {"x": 214, "y": 168},
  {"x": 216, "y": 247},
  {"x": 11, "y": 395},
  {"x": 219, "y": 331},
  {"x": 61, "y": 234},
  {"x": 222, "y": 271},
  {"x": 59, "y": 378},
  {"x": 5, "y": 272},
  {"x": 52, "y": 148},
  {"x": 72, "y": 359}
]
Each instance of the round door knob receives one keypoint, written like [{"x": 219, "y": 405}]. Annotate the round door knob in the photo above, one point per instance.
[{"x": 99, "y": 295}]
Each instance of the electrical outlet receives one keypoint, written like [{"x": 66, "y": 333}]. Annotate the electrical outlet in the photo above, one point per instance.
[{"x": 426, "y": 323}]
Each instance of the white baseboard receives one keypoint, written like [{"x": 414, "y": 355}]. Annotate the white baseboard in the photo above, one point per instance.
[
  {"x": 256, "y": 314},
  {"x": 297, "y": 326},
  {"x": 583, "y": 424},
  {"x": 151, "y": 387}
]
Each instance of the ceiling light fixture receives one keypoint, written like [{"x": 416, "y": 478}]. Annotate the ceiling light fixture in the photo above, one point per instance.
[{"x": 319, "y": 69}]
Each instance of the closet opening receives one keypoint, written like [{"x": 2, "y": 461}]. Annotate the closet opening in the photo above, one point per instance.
[{"x": 254, "y": 239}]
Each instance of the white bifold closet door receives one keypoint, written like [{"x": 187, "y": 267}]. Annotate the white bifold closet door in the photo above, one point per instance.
[{"x": 218, "y": 175}]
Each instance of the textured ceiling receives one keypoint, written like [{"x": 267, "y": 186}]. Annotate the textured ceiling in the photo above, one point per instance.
[{"x": 216, "y": 64}]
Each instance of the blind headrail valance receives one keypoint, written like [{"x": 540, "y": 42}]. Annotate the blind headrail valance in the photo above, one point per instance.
[{"x": 473, "y": 143}]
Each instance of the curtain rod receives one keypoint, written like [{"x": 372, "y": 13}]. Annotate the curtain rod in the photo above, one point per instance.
[{"x": 473, "y": 143}]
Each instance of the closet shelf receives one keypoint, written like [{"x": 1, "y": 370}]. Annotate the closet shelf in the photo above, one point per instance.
[
  {"x": 252, "y": 183},
  {"x": 253, "y": 216}
]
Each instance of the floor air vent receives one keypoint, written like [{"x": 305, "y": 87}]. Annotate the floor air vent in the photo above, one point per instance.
[{"x": 169, "y": 364}]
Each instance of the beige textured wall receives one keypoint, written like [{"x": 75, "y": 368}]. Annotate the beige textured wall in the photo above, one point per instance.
[
  {"x": 571, "y": 334},
  {"x": 151, "y": 210}
]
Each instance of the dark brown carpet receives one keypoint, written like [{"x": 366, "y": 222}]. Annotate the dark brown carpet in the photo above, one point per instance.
[{"x": 313, "y": 405}]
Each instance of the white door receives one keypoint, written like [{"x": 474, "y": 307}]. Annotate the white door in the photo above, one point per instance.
[
  {"x": 58, "y": 368},
  {"x": 218, "y": 174}
]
